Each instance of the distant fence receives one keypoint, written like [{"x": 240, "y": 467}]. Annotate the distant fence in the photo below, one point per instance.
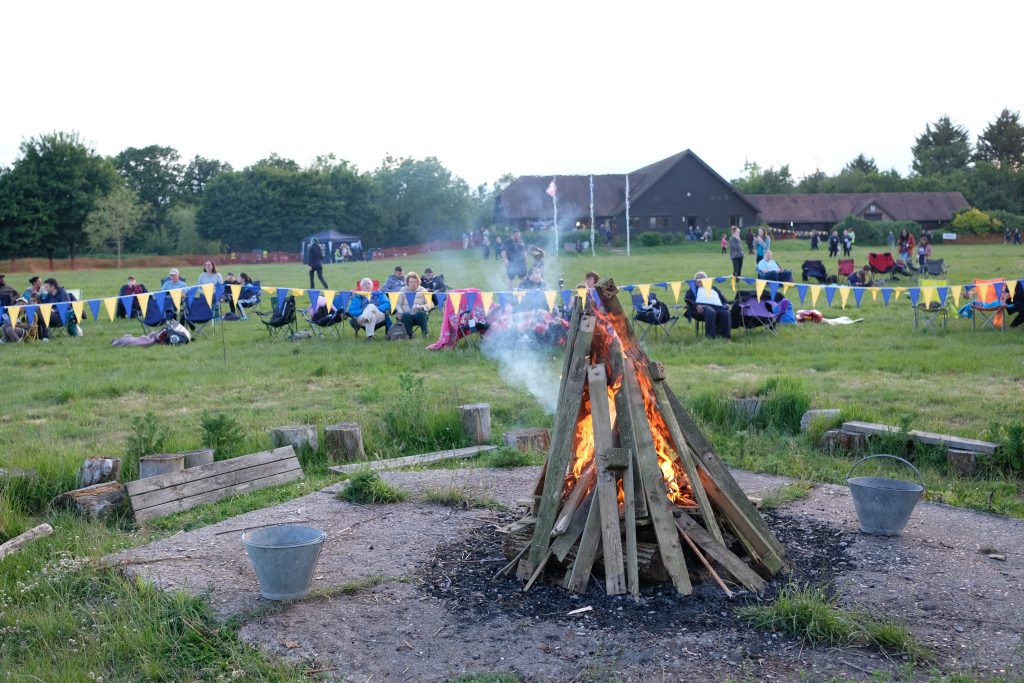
[{"x": 38, "y": 265}]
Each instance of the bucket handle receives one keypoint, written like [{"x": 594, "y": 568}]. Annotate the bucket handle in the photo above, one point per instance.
[{"x": 920, "y": 481}]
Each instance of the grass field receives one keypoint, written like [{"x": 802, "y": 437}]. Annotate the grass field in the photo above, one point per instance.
[{"x": 73, "y": 398}]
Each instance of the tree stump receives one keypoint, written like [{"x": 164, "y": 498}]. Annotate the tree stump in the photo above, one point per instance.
[
  {"x": 842, "y": 441},
  {"x": 819, "y": 414},
  {"x": 93, "y": 501},
  {"x": 533, "y": 439},
  {"x": 344, "y": 441},
  {"x": 98, "y": 471},
  {"x": 476, "y": 419},
  {"x": 201, "y": 456},
  {"x": 963, "y": 463},
  {"x": 160, "y": 463},
  {"x": 295, "y": 436}
]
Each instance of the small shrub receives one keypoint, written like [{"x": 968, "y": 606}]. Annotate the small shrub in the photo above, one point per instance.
[
  {"x": 367, "y": 488},
  {"x": 416, "y": 421},
  {"x": 787, "y": 493},
  {"x": 222, "y": 433},
  {"x": 651, "y": 239},
  {"x": 506, "y": 457},
  {"x": 716, "y": 410},
  {"x": 147, "y": 436},
  {"x": 453, "y": 496}
]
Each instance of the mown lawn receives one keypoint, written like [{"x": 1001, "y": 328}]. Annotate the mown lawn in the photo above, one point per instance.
[{"x": 72, "y": 398}]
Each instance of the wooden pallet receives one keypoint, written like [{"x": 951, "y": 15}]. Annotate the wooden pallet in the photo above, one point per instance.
[
  {"x": 954, "y": 442},
  {"x": 411, "y": 460},
  {"x": 176, "y": 491}
]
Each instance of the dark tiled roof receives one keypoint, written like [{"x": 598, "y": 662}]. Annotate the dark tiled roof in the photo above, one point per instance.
[{"x": 832, "y": 208}]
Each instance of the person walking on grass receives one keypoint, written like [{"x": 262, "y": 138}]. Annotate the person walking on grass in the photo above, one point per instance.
[
  {"x": 736, "y": 252},
  {"x": 316, "y": 263}
]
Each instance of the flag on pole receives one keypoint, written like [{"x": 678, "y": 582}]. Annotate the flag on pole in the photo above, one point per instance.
[{"x": 552, "y": 189}]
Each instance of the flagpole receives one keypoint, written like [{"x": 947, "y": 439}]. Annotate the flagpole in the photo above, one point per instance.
[
  {"x": 593, "y": 251},
  {"x": 627, "y": 215},
  {"x": 554, "y": 205}
]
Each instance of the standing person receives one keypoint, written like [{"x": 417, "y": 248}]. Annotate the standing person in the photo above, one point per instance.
[
  {"x": 890, "y": 240},
  {"x": 750, "y": 240},
  {"x": 413, "y": 314},
  {"x": 486, "y": 243},
  {"x": 833, "y": 244},
  {"x": 497, "y": 247},
  {"x": 814, "y": 240},
  {"x": 210, "y": 276},
  {"x": 316, "y": 263},
  {"x": 847, "y": 244},
  {"x": 924, "y": 251},
  {"x": 762, "y": 243},
  {"x": 513, "y": 255},
  {"x": 725, "y": 243},
  {"x": 736, "y": 252},
  {"x": 1016, "y": 236}
]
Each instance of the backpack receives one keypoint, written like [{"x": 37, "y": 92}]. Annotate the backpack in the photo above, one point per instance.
[
  {"x": 285, "y": 314},
  {"x": 655, "y": 312},
  {"x": 397, "y": 332}
]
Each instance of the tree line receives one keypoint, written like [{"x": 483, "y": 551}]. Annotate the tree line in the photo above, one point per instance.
[
  {"x": 989, "y": 173},
  {"x": 61, "y": 198}
]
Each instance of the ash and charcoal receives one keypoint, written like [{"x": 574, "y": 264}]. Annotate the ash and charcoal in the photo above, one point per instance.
[{"x": 461, "y": 574}]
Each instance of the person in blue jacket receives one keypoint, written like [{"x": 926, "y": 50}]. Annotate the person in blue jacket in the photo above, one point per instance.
[{"x": 369, "y": 312}]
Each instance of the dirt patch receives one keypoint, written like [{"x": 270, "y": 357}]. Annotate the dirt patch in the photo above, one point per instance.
[{"x": 405, "y": 593}]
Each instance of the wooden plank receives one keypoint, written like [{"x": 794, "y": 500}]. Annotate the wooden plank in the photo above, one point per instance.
[
  {"x": 193, "y": 473},
  {"x": 736, "y": 567},
  {"x": 728, "y": 497},
  {"x": 206, "y": 484},
  {"x": 658, "y": 506},
  {"x": 213, "y": 496},
  {"x": 607, "y": 483},
  {"x": 624, "y": 427},
  {"x": 870, "y": 428},
  {"x": 563, "y": 433},
  {"x": 412, "y": 460},
  {"x": 579, "y": 577},
  {"x": 931, "y": 438},
  {"x": 580, "y": 490},
  {"x": 629, "y": 514},
  {"x": 564, "y": 543},
  {"x": 686, "y": 456}
]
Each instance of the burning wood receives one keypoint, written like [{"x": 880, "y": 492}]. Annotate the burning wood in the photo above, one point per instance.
[{"x": 629, "y": 475}]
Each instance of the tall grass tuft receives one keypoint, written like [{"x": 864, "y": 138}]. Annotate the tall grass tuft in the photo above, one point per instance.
[
  {"x": 148, "y": 435},
  {"x": 416, "y": 422},
  {"x": 367, "y": 488},
  {"x": 717, "y": 411},
  {"x": 784, "y": 400}
]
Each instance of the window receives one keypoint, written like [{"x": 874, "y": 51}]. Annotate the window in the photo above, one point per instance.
[
  {"x": 658, "y": 222},
  {"x": 691, "y": 221},
  {"x": 736, "y": 219}
]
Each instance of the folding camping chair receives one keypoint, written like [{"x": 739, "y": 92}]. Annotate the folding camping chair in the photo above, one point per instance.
[
  {"x": 846, "y": 267},
  {"x": 882, "y": 264},
  {"x": 749, "y": 312},
  {"x": 815, "y": 269},
  {"x": 655, "y": 315},
  {"x": 987, "y": 305},
  {"x": 691, "y": 312},
  {"x": 155, "y": 318},
  {"x": 325, "y": 324},
  {"x": 935, "y": 312},
  {"x": 281, "y": 320},
  {"x": 198, "y": 315},
  {"x": 935, "y": 267},
  {"x": 250, "y": 297}
]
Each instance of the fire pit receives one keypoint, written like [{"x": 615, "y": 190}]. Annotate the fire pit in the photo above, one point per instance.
[{"x": 631, "y": 486}]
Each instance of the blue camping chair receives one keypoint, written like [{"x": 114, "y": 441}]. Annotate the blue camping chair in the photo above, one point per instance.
[
  {"x": 155, "y": 318},
  {"x": 655, "y": 315},
  {"x": 198, "y": 315},
  {"x": 251, "y": 296}
]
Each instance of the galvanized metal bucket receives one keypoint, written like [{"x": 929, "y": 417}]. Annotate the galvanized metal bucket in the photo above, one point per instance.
[
  {"x": 884, "y": 505},
  {"x": 283, "y": 558}
]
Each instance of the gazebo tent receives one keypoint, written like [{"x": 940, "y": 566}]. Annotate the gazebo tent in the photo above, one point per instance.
[{"x": 331, "y": 240}]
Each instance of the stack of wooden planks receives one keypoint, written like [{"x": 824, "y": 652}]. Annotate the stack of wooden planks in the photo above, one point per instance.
[{"x": 631, "y": 487}]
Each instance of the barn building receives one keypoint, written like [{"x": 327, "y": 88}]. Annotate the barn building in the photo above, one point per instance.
[{"x": 803, "y": 212}]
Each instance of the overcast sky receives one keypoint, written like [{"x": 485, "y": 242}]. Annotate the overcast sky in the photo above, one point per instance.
[{"x": 522, "y": 87}]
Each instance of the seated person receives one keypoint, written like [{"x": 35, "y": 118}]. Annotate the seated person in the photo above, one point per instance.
[
  {"x": 534, "y": 280},
  {"x": 368, "y": 312},
  {"x": 590, "y": 280},
  {"x": 131, "y": 288},
  {"x": 769, "y": 269},
  {"x": 1017, "y": 305},
  {"x": 413, "y": 314},
  {"x": 35, "y": 286},
  {"x": 395, "y": 281},
  {"x": 56, "y": 294},
  {"x": 16, "y": 330},
  {"x": 433, "y": 283},
  {"x": 711, "y": 307},
  {"x": 860, "y": 278},
  {"x": 173, "y": 281},
  {"x": 8, "y": 294}
]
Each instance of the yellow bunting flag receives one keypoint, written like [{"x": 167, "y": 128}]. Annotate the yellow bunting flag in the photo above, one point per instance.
[
  {"x": 955, "y": 291},
  {"x": 328, "y": 297},
  {"x": 759, "y": 286},
  {"x": 983, "y": 291},
  {"x": 175, "y": 298},
  {"x": 456, "y": 299},
  {"x": 269, "y": 290},
  {"x": 110, "y": 303},
  {"x": 815, "y": 293},
  {"x": 207, "y": 290},
  {"x": 581, "y": 292},
  {"x": 706, "y": 284},
  {"x": 393, "y": 298},
  {"x": 486, "y": 298},
  {"x": 874, "y": 293},
  {"x": 236, "y": 291},
  {"x": 785, "y": 287},
  {"x": 44, "y": 313},
  {"x": 363, "y": 292},
  {"x": 929, "y": 295},
  {"x": 297, "y": 292},
  {"x": 896, "y": 293},
  {"x": 78, "y": 307},
  {"x": 645, "y": 291},
  {"x": 519, "y": 294},
  {"x": 551, "y": 296},
  {"x": 14, "y": 312},
  {"x": 143, "y": 299},
  {"x": 1008, "y": 290},
  {"x": 844, "y": 294},
  {"x": 675, "y": 287}
]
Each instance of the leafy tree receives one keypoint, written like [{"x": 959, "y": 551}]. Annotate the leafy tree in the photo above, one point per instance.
[
  {"x": 154, "y": 172},
  {"x": 995, "y": 187},
  {"x": 181, "y": 222},
  {"x": 1002, "y": 141},
  {"x": 942, "y": 149},
  {"x": 813, "y": 183},
  {"x": 199, "y": 172},
  {"x": 423, "y": 199},
  {"x": 49, "y": 191},
  {"x": 117, "y": 217},
  {"x": 765, "y": 181},
  {"x": 861, "y": 164}
]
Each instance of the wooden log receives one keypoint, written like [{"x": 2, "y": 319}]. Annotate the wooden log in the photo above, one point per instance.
[
  {"x": 578, "y": 578},
  {"x": 98, "y": 500},
  {"x": 704, "y": 561},
  {"x": 658, "y": 506},
  {"x": 160, "y": 463},
  {"x": 526, "y": 440},
  {"x": 608, "y": 293},
  {"x": 20, "y": 541},
  {"x": 581, "y": 489},
  {"x": 198, "y": 457},
  {"x": 565, "y": 542},
  {"x": 563, "y": 433},
  {"x": 629, "y": 520},
  {"x": 607, "y": 483},
  {"x": 843, "y": 442},
  {"x": 624, "y": 428},
  {"x": 98, "y": 471},
  {"x": 736, "y": 567},
  {"x": 295, "y": 436},
  {"x": 344, "y": 441},
  {"x": 476, "y": 420},
  {"x": 727, "y": 496}
]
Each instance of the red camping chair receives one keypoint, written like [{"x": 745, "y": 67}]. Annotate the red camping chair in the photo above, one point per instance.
[
  {"x": 882, "y": 264},
  {"x": 846, "y": 267},
  {"x": 376, "y": 285}
]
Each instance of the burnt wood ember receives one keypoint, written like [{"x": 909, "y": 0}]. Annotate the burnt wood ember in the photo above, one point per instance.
[{"x": 629, "y": 478}]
